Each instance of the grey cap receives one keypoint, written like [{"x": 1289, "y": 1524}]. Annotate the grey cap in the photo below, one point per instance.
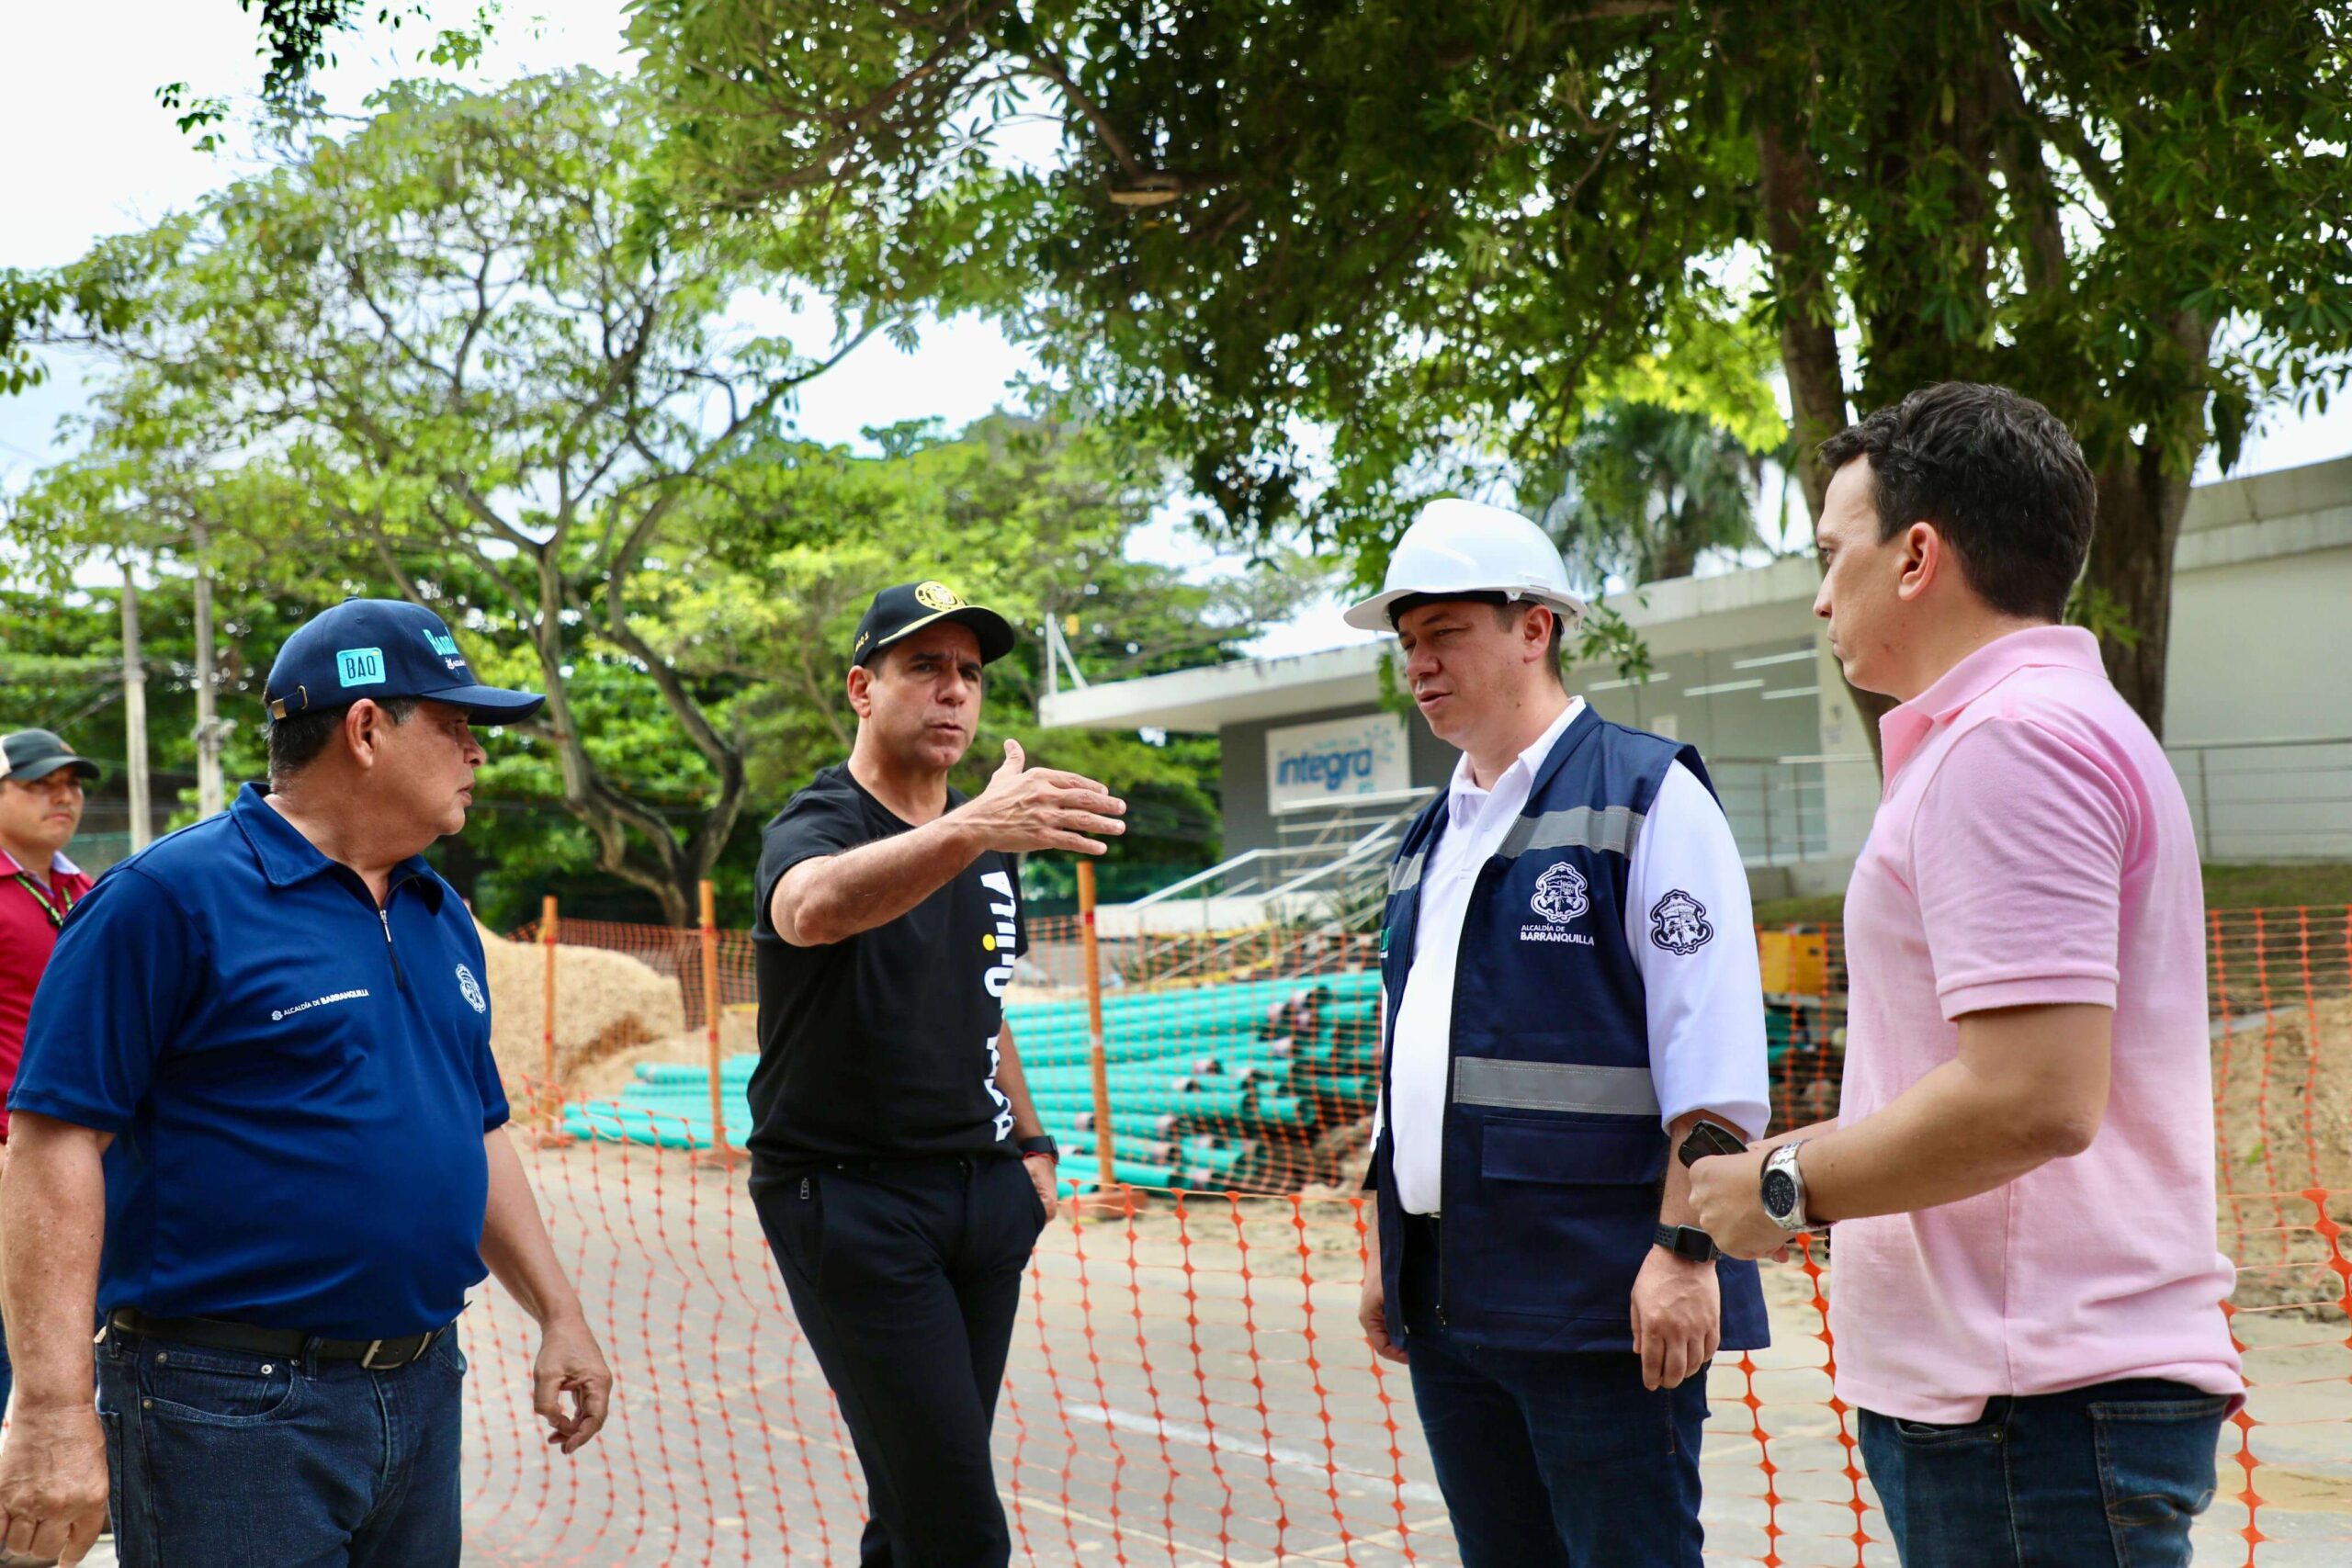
[{"x": 31, "y": 754}]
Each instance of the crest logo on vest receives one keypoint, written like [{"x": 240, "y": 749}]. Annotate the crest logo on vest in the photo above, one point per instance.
[
  {"x": 1678, "y": 923},
  {"x": 1561, "y": 895},
  {"x": 471, "y": 989}
]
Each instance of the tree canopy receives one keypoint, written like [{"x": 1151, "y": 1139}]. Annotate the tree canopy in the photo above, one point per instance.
[
  {"x": 470, "y": 355},
  {"x": 1420, "y": 243}
]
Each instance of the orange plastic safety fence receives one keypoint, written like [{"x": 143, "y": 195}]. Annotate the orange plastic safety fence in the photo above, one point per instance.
[{"x": 1190, "y": 1386}]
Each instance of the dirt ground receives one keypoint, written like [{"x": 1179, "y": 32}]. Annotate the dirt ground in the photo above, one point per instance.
[
  {"x": 1186, "y": 1388},
  {"x": 2282, "y": 1083}
]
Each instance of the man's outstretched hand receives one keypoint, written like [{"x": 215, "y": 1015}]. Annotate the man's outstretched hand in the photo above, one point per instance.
[{"x": 1027, "y": 808}]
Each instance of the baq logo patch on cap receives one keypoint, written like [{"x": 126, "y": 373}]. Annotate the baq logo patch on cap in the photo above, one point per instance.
[
  {"x": 937, "y": 596},
  {"x": 360, "y": 666}
]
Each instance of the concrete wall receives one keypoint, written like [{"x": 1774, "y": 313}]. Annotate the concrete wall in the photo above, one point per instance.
[{"x": 2261, "y": 649}]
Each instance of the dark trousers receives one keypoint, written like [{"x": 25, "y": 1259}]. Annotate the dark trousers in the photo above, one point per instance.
[
  {"x": 2112, "y": 1474},
  {"x": 221, "y": 1459},
  {"x": 906, "y": 1279},
  {"x": 1551, "y": 1459}
]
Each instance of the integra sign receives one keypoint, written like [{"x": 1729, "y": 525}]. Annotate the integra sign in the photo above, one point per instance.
[
  {"x": 1309, "y": 764},
  {"x": 1332, "y": 770}
]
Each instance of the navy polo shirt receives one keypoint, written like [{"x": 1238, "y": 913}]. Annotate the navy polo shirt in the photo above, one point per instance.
[{"x": 298, "y": 1083}]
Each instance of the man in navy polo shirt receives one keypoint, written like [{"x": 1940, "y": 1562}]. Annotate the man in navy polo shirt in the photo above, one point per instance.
[{"x": 258, "y": 1130}]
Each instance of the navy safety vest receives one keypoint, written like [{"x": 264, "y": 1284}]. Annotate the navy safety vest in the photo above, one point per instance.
[{"x": 1555, "y": 1160}]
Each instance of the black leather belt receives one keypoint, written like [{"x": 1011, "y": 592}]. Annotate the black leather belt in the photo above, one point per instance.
[{"x": 289, "y": 1344}]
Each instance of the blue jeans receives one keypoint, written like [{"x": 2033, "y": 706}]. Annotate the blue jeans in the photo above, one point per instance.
[
  {"x": 1553, "y": 1459},
  {"x": 2109, "y": 1475},
  {"x": 225, "y": 1459}
]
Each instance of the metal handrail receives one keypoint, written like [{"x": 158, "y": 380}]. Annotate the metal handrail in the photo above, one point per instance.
[
  {"x": 1374, "y": 840},
  {"x": 2248, "y": 745},
  {"x": 1199, "y": 877},
  {"x": 1355, "y": 851},
  {"x": 1225, "y": 867}
]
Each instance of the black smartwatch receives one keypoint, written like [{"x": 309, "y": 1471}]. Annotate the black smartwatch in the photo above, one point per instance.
[
  {"x": 1041, "y": 1145},
  {"x": 1687, "y": 1242}
]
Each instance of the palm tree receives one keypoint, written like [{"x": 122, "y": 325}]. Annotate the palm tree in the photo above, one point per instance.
[{"x": 1640, "y": 490}]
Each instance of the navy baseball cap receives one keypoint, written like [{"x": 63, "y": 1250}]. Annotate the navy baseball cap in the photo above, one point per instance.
[
  {"x": 902, "y": 611},
  {"x": 380, "y": 649}
]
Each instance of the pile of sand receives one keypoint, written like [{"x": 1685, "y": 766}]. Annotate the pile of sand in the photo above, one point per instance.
[
  {"x": 605, "y": 1077},
  {"x": 605, "y": 1003},
  {"x": 2282, "y": 1089}
]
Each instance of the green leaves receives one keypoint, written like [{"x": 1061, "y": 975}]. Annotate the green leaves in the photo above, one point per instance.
[
  {"x": 470, "y": 353},
  {"x": 1394, "y": 249}
]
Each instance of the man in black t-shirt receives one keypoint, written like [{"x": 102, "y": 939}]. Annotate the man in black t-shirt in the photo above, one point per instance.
[{"x": 898, "y": 1169}]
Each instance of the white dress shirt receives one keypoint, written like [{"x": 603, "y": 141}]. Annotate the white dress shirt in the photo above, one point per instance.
[{"x": 1705, "y": 1007}]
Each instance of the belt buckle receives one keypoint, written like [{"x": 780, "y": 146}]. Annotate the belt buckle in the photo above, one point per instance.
[{"x": 423, "y": 1342}]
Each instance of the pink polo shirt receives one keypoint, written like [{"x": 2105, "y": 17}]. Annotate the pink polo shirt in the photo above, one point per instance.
[{"x": 2034, "y": 847}]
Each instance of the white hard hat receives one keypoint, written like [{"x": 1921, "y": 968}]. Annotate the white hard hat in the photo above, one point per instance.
[{"x": 1467, "y": 547}]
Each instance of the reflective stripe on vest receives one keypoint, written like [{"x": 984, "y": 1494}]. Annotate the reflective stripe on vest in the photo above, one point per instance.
[
  {"x": 1613, "y": 829},
  {"x": 1406, "y": 874},
  {"x": 1554, "y": 1085}
]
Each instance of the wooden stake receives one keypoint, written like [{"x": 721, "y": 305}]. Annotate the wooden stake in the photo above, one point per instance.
[
  {"x": 550, "y": 1132},
  {"x": 720, "y": 1147},
  {"x": 1107, "y": 1198}
]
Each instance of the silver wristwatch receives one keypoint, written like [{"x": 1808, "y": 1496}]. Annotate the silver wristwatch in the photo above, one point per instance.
[{"x": 1784, "y": 1188}]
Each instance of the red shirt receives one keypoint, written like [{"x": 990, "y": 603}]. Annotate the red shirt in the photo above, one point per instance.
[{"x": 27, "y": 936}]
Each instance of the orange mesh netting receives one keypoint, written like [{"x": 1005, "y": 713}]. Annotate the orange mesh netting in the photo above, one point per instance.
[{"x": 1188, "y": 1385}]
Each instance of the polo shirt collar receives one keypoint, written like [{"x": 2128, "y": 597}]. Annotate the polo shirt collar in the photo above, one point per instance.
[
  {"x": 1465, "y": 794},
  {"x": 287, "y": 857},
  {"x": 58, "y": 864},
  {"x": 1907, "y": 725}
]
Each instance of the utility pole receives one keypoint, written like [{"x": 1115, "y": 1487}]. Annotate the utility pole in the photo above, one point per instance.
[
  {"x": 134, "y": 714},
  {"x": 208, "y": 801}
]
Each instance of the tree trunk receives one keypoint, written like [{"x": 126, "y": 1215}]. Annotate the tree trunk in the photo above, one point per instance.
[
  {"x": 678, "y": 910},
  {"x": 1808, "y": 341},
  {"x": 2140, "y": 509},
  {"x": 1808, "y": 314}
]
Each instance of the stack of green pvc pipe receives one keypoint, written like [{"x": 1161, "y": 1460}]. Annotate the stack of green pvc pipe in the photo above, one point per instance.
[
  {"x": 1206, "y": 1084},
  {"x": 1200, "y": 1079}
]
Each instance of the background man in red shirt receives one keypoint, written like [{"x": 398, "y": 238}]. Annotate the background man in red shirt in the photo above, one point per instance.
[{"x": 40, "y": 807}]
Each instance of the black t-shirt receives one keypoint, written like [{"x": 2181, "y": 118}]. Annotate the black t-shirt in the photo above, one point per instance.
[{"x": 882, "y": 1046}]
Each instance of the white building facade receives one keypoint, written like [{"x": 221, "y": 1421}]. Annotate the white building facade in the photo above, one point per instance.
[{"x": 2257, "y": 712}]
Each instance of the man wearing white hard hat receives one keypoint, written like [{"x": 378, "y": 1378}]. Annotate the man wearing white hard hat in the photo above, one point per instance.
[{"x": 1572, "y": 990}]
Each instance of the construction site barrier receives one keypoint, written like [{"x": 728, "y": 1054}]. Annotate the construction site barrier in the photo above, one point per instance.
[{"x": 1189, "y": 1385}]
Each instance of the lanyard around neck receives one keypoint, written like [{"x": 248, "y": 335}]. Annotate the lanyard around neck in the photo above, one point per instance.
[{"x": 40, "y": 896}]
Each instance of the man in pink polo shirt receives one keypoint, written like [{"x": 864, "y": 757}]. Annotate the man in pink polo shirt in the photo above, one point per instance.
[{"x": 2027, "y": 1299}]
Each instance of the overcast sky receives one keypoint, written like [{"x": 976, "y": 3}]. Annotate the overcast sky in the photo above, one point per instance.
[{"x": 92, "y": 153}]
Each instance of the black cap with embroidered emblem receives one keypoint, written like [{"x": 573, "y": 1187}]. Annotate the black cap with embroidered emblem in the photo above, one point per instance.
[
  {"x": 382, "y": 649},
  {"x": 897, "y": 612}
]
